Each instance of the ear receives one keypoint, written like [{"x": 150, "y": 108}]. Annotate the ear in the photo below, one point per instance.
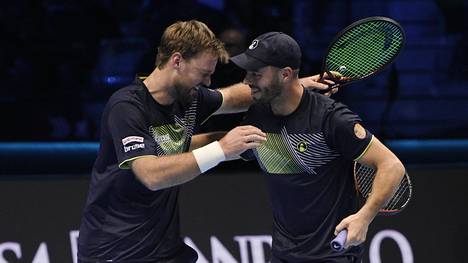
[
  {"x": 286, "y": 73},
  {"x": 176, "y": 60}
]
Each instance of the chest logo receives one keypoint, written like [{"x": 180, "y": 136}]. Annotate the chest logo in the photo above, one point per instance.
[
  {"x": 301, "y": 146},
  {"x": 162, "y": 138}
]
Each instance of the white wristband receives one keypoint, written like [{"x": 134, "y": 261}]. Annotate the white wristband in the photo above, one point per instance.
[{"x": 209, "y": 156}]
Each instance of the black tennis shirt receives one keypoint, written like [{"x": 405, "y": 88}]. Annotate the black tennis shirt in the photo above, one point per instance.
[
  {"x": 123, "y": 221},
  {"x": 307, "y": 160}
]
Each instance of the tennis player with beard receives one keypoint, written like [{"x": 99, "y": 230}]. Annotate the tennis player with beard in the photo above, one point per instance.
[
  {"x": 148, "y": 149},
  {"x": 308, "y": 157}
]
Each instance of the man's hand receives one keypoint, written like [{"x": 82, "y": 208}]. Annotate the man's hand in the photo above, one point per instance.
[
  {"x": 357, "y": 226},
  {"x": 240, "y": 139},
  {"x": 314, "y": 82}
]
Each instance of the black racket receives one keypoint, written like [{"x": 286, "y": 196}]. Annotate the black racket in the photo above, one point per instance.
[
  {"x": 362, "y": 49},
  {"x": 363, "y": 178}
]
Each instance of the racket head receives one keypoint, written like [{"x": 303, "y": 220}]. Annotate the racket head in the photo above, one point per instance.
[
  {"x": 364, "y": 177},
  {"x": 363, "y": 48}
]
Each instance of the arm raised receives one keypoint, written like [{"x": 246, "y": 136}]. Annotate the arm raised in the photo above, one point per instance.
[{"x": 238, "y": 98}]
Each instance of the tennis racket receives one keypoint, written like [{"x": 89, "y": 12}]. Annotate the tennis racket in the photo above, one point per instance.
[
  {"x": 361, "y": 50},
  {"x": 363, "y": 178}
]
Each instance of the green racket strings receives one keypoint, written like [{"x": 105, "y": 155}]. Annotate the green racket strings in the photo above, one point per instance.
[{"x": 365, "y": 49}]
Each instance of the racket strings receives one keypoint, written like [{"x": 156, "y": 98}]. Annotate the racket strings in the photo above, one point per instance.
[
  {"x": 402, "y": 196},
  {"x": 365, "y": 177},
  {"x": 365, "y": 48},
  {"x": 394, "y": 203}
]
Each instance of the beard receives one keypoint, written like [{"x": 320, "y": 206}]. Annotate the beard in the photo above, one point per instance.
[
  {"x": 266, "y": 94},
  {"x": 183, "y": 94}
]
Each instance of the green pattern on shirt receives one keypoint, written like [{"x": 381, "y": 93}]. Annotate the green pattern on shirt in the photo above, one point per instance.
[
  {"x": 170, "y": 137},
  {"x": 275, "y": 156}
]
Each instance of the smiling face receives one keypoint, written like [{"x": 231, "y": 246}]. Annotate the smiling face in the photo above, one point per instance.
[
  {"x": 265, "y": 84},
  {"x": 194, "y": 72}
]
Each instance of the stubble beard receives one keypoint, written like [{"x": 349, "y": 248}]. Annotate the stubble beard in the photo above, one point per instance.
[
  {"x": 184, "y": 94},
  {"x": 269, "y": 94}
]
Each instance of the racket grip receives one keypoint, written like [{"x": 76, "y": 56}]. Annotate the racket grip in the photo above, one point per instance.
[{"x": 339, "y": 241}]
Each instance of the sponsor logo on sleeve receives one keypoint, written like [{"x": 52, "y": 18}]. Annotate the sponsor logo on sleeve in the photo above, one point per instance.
[
  {"x": 137, "y": 140},
  {"x": 130, "y": 139},
  {"x": 134, "y": 147},
  {"x": 359, "y": 131}
]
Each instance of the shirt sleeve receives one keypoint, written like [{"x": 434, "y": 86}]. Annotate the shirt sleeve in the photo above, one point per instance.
[
  {"x": 210, "y": 102},
  {"x": 129, "y": 133},
  {"x": 344, "y": 132}
]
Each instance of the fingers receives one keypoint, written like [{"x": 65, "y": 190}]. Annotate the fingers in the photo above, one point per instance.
[
  {"x": 254, "y": 135},
  {"x": 245, "y": 127},
  {"x": 315, "y": 78},
  {"x": 242, "y": 138},
  {"x": 252, "y": 145},
  {"x": 328, "y": 82},
  {"x": 255, "y": 138},
  {"x": 331, "y": 92},
  {"x": 342, "y": 225},
  {"x": 251, "y": 130},
  {"x": 321, "y": 85},
  {"x": 356, "y": 232}
]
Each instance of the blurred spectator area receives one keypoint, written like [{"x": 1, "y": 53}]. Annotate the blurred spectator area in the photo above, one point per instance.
[
  {"x": 423, "y": 95},
  {"x": 61, "y": 60}
]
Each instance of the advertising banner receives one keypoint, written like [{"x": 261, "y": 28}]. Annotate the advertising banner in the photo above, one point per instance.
[{"x": 226, "y": 217}]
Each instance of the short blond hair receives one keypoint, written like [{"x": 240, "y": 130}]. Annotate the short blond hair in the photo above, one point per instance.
[{"x": 189, "y": 38}]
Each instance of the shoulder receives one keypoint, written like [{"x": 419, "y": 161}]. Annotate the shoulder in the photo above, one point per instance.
[
  {"x": 325, "y": 104},
  {"x": 259, "y": 108},
  {"x": 207, "y": 102},
  {"x": 318, "y": 100},
  {"x": 210, "y": 95},
  {"x": 133, "y": 94},
  {"x": 317, "y": 107},
  {"x": 256, "y": 113}
]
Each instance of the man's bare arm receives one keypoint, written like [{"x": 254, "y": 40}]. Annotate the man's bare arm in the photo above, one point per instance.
[
  {"x": 159, "y": 172},
  {"x": 238, "y": 98},
  {"x": 389, "y": 172}
]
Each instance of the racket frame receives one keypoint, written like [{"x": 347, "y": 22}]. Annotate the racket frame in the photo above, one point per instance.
[
  {"x": 339, "y": 83},
  {"x": 383, "y": 211}
]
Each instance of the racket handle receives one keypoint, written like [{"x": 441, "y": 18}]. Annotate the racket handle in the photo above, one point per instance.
[{"x": 339, "y": 241}]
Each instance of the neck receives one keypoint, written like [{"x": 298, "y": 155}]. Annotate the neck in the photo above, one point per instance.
[
  {"x": 160, "y": 85},
  {"x": 289, "y": 100}
]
